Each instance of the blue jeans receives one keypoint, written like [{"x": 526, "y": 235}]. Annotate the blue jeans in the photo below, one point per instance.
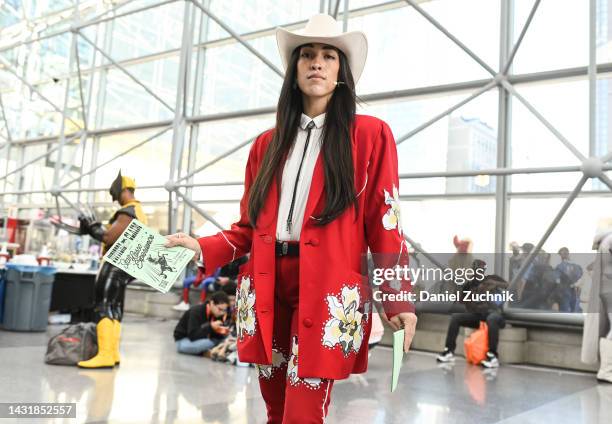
[{"x": 195, "y": 347}]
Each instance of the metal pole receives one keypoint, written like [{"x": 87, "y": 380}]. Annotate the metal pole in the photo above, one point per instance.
[
  {"x": 198, "y": 86},
  {"x": 510, "y": 58},
  {"x": 238, "y": 38},
  {"x": 100, "y": 20},
  {"x": 548, "y": 125},
  {"x": 592, "y": 78},
  {"x": 549, "y": 230},
  {"x": 373, "y": 97},
  {"x": 47, "y": 153},
  {"x": 125, "y": 152},
  {"x": 503, "y": 141},
  {"x": 94, "y": 19},
  {"x": 496, "y": 171},
  {"x": 604, "y": 179},
  {"x": 125, "y": 71},
  {"x": 80, "y": 78},
  {"x": 62, "y": 140},
  {"x": 336, "y": 8},
  {"x": 8, "y": 157},
  {"x": 9, "y": 68},
  {"x": 217, "y": 159},
  {"x": 179, "y": 123},
  {"x": 448, "y": 111},
  {"x": 108, "y": 29},
  {"x": 451, "y": 36},
  {"x": 199, "y": 210}
]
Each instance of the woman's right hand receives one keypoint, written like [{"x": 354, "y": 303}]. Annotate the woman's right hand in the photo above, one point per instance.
[{"x": 185, "y": 240}]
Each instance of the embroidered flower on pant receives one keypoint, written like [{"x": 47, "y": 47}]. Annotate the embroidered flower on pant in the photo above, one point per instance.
[
  {"x": 278, "y": 360},
  {"x": 391, "y": 219},
  {"x": 292, "y": 369},
  {"x": 344, "y": 328},
  {"x": 245, "y": 314}
]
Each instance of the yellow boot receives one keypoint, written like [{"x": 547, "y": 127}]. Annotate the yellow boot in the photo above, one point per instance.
[
  {"x": 116, "y": 339},
  {"x": 105, "y": 357}
]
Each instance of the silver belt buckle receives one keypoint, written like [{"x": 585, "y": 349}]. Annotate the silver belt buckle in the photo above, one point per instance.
[{"x": 285, "y": 248}]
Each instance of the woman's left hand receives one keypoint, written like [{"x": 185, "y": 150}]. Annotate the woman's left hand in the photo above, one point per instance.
[{"x": 407, "y": 321}]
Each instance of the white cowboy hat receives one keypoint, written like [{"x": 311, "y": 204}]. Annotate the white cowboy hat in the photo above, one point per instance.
[{"x": 322, "y": 28}]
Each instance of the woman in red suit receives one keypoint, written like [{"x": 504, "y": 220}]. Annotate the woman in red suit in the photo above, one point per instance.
[{"x": 321, "y": 187}]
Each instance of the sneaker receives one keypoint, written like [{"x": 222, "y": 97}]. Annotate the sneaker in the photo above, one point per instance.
[
  {"x": 446, "y": 356},
  {"x": 490, "y": 361},
  {"x": 181, "y": 306}
]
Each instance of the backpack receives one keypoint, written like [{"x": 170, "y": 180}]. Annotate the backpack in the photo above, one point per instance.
[{"x": 75, "y": 343}]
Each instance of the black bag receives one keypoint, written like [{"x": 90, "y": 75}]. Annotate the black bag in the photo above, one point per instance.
[{"x": 75, "y": 343}]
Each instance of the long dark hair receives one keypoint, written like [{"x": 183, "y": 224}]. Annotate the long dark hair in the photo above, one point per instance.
[{"x": 336, "y": 142}]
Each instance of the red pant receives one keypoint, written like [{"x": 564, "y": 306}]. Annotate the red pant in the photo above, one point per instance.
[{"x": 290, "y": 399}]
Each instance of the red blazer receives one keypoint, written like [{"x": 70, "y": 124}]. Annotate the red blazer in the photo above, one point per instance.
[{"x": 334, "y": 296}]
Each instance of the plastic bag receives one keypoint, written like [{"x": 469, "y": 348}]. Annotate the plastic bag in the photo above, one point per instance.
[{"x": 476, "y": 345}]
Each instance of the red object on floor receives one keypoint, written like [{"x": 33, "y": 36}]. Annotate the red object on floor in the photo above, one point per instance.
[{"x": 476, "y": 345}]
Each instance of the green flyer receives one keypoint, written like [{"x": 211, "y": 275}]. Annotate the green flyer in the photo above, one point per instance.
[
  {"x": 398, "y": 354},
  {"x": 140, "y": 252}
]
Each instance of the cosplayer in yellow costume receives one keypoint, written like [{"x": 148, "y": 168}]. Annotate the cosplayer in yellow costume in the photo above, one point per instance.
[{"x": 111, "y": 281}]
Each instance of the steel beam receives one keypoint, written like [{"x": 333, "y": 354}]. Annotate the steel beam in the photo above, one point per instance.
[
  {"x": 121, "y": 15},
  {"x": 217, "y": 159},
  {"x": 606, "y": 180},
  {"x": 198, "y": 88},
  {"x": 125, "y": 71},
  {"x": 448, "y": 111},
  {"x": 199, "y": 210},
  {"x": 592, "y": 70},
  {"x": 125, "y": 152},
  {"x": 454, "y": 39},
  {"x": 9, "y": 68},
  {"x": 179, "y": 123},
  {"x": 37, "y": 158},
  {"x": 238, "y": 38},
  {"x": 504, "y": 127},
  {"x": 373, "y": 97},
  {"x": 62, "y": 140},
  {"x": 547, "y": 124},
  {"x": 549, "y": 230},
  {"x": 510, "y": 58}
]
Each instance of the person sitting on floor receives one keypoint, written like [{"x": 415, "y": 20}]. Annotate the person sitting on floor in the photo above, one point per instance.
[
  {"x": 488, "y": 311},
  {"x": 203, "y": 326}
]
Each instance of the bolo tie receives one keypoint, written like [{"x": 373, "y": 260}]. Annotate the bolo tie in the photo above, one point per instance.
[{"x": 309, "y": 127}]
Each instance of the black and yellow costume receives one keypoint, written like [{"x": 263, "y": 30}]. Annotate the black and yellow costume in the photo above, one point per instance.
[{"x": 111, "y": 281}]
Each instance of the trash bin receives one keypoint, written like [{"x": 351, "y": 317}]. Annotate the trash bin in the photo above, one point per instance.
[{"x": 27, "y": 297}]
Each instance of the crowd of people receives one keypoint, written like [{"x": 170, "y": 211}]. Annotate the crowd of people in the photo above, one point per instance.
[{"x": 542, "y": 286}]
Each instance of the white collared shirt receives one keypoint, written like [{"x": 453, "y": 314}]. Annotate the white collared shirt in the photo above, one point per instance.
[{"x": 290, "y": 172}]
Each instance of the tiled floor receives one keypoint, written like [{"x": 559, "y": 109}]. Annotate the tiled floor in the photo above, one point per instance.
[{"x": 155, "y": 384}]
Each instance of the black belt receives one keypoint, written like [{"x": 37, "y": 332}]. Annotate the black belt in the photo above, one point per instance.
[{"x": 287, "y": 248}]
